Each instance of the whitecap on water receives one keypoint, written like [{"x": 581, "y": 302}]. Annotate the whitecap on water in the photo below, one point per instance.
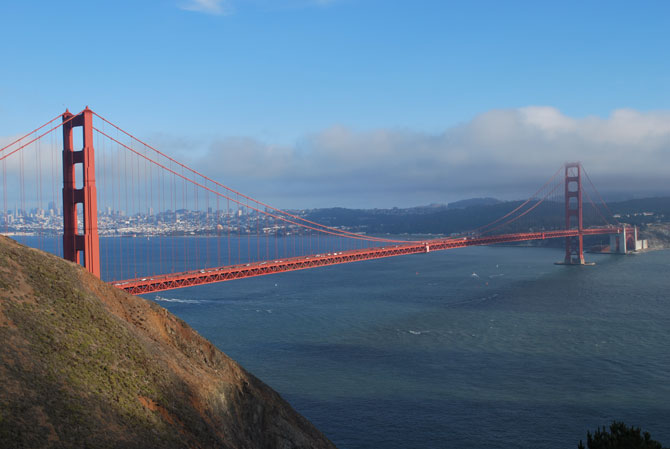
[
  {"x": 185, "y": 301},
  {"x": 413, "y": 332}
]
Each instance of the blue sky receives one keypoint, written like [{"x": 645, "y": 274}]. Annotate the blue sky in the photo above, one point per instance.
[{"x": 283, "y": 75}]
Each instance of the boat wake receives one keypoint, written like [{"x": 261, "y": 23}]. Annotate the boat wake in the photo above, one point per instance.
[{"x": 178, "y": 300}]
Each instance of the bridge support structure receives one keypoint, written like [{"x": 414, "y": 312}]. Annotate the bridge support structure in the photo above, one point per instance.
[
  {"x": 78, "y": 247},
  {"x": 574, "y": 246}
]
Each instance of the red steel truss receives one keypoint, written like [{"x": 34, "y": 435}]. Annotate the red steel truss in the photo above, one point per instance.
[{"x": 228, "y": 273}]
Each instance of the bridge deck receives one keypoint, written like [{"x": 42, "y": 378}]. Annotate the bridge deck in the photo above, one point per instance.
[{"x": 158, "y": 283}]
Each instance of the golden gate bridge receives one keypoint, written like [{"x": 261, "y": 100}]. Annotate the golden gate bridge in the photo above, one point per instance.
[{"x": 187, "y": 229}]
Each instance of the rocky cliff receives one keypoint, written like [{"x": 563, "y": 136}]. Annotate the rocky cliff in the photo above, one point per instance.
[
  {"x": 85, "y": 365},
  {"x": 658, "y": 235}
]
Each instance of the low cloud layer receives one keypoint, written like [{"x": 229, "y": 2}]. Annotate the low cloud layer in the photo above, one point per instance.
[
  {"x": 501, "y": 153},
  {"x": 506, "y": 154}
]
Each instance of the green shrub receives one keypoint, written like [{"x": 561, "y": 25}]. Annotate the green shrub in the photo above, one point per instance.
[{"x": 619, "y": 436}]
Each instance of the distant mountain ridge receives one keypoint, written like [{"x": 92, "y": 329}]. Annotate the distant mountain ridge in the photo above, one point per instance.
[
  {"x": 469, "y": 214},
  {"x": 84, "y": 364}
]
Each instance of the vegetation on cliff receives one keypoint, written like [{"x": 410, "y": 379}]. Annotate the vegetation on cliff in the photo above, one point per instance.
[
  {"x": 86, "y": 365},
  {"x": 619, "y": 436}
]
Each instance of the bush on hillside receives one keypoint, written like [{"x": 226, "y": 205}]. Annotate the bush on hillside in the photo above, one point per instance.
[{"x": 620, "y": 436}]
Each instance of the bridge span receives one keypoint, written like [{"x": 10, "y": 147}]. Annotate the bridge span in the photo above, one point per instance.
[{"x": 229, "y": 273}]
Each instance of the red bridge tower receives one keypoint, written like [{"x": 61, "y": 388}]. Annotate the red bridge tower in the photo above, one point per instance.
[
  {"x": 574, "y": 246},
  {"x": 73, "y": 243}
]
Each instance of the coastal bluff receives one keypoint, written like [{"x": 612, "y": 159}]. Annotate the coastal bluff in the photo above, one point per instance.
[{"x": 84, "y": 364}]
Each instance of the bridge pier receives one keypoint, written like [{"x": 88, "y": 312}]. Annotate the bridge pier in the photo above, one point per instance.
[{"x": 88, "y": 243}]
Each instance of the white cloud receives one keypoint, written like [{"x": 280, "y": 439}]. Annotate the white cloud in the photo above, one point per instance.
[
  {"x": 504, "y": 153},
  {"x": 501, "y": 153},
  {"x": 208, "y": 6},
  {"x": 225, "y": 7}
]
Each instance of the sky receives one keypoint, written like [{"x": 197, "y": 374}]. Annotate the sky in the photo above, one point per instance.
[{"x": 359, "y": 103}]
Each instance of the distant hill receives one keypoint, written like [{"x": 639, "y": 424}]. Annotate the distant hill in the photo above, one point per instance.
[
  {"x": 468, "y": 215},
  {"x": 462, "y": 204},
  {"x": 86, "y": 365},
  {"x": 418, "y": 220}
]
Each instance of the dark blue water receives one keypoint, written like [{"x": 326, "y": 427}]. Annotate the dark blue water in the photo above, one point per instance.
[
  {"x": 490, "y": 347},
  {"x": 135, "y": 257}
]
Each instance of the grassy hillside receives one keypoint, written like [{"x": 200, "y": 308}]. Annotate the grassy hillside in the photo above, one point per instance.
[{"x": 86, "y": 365}]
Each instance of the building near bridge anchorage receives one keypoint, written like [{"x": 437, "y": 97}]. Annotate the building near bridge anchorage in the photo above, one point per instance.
[{"x": 106, "y": 168}]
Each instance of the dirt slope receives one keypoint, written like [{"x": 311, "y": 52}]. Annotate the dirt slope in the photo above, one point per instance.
[{"x": 83, "y": 364}]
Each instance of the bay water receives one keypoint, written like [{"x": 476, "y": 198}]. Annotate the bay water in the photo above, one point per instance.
[{"x": 492, "y": 347}]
